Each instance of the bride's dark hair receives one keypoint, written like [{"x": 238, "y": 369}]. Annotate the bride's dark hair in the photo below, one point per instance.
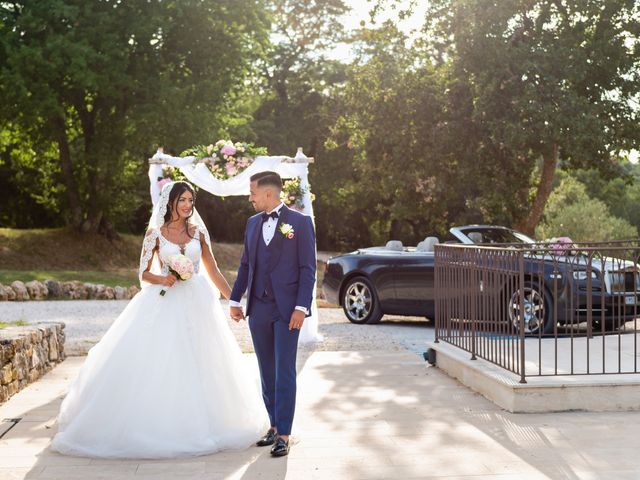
[{"x": 178, "y": 189}]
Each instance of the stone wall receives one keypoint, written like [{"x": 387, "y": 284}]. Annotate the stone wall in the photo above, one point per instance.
[
  {"x": 27, "y": 353},
  {"x": 54, "y": 290}
]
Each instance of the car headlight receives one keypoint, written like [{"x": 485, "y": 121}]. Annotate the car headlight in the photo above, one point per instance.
[{"x": 583, "y": 275}]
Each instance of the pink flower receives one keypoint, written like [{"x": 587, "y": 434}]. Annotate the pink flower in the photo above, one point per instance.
[
  {"x": 163, "y": 182},
  {"x": 231, "y": 169},
  {"x": 287, "y": 231},
  {"x": 561, "y": 245},
  {"x": 180, "y": 266},
  {"x": 228, "y": 150}
]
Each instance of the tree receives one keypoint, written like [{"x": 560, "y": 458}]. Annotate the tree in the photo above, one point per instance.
[
  {"x": 28, "y": 183},
  {"x": 103, "y": 83},
  {"x": 621, "y": 194},
  {"x": 545, "y": 81},
  {"x": 395, "y": 181},
  {"x": 303, "y": 29},
  {"x": 295, "y": 92},
  {"x": 573, "y": 213}
]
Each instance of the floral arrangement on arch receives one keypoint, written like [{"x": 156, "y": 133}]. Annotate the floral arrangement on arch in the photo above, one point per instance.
[
  {"x": 226, "y": 159},
  {"x": 169, "y": 174},
  {"x": 292, "y": 193}
]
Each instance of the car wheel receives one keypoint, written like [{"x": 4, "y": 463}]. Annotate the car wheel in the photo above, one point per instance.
[
  {"x": 537, "y": 310},
  {"x": 360, "y": 303}
]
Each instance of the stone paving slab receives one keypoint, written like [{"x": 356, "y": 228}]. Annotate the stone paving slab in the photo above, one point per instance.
[{"x": 361, "y": 415}]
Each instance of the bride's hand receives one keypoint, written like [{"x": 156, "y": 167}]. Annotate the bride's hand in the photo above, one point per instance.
[{"x": 168, "y": 280}]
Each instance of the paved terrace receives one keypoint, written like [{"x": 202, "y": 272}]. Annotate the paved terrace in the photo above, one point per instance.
[{"x": 362, "y": 414}]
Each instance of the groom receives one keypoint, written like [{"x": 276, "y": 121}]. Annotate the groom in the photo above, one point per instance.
[{"x": 278, "y": 272}]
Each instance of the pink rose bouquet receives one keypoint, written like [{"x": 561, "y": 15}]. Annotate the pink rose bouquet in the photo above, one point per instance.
[{"x": 181, "y": 267}]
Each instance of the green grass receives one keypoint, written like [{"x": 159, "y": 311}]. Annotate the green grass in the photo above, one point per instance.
[
  {"x": 16, "y": 323},
  {"x": 64, "y": 255},
  {"x": 66, "y": 249},
  {"x": 123, "y": 278}
]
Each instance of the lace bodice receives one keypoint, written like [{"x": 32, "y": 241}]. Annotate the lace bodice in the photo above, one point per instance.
[{"x": 154, "y": 237}]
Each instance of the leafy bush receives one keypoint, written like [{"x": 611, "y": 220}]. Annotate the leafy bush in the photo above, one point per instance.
[{"x": 571, "y": 212}]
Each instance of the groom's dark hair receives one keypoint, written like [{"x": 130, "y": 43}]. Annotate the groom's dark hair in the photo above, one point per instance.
[{"x": 267, "y": 178}]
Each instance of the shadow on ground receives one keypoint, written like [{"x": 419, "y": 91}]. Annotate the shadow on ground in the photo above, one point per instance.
[{"x": 418, "y": 423}]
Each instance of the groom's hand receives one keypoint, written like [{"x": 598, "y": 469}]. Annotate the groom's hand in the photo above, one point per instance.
[
  {"x": 297, "y": 318},
  {"x": 236, "y": 313}
]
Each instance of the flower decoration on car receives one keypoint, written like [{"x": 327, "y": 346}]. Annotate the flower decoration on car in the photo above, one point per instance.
[{"x": 561, "y": 246}]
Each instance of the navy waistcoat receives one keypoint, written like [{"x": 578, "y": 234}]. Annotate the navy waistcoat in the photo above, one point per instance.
[{"x": 261, "y": 281}]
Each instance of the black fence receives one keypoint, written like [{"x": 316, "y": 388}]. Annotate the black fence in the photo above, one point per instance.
[{"x": 542, "y": 309}]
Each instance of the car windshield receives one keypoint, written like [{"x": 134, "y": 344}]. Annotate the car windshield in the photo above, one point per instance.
[{"x": 495, "y": 235}]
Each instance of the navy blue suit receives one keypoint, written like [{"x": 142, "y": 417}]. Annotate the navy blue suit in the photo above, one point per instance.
[{"x": 277, "y": 278}]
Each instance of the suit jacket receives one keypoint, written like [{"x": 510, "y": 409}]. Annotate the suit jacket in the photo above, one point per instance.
[{"x": 292, "y": 266}]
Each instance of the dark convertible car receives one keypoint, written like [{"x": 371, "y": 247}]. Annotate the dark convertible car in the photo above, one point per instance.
[{"x": 399, "y": 280}]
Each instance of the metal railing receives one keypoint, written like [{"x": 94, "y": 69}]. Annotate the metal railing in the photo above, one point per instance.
[{"x": 540, "y": 309}]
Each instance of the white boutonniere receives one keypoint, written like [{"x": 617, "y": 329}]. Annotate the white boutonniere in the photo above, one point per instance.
[{"x": 287, "y": 231}]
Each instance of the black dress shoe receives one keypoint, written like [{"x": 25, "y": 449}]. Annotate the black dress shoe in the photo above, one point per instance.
[
  {"x": 281, "y": 448},
  {"x": 268, "y": 439}
]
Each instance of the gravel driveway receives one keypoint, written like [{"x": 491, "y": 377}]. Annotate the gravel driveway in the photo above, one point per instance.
[{"x": 87, "y": 320}]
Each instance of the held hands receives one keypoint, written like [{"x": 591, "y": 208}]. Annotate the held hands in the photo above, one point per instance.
[
  {"x": 236, "y": 313},
  {"x": 297, "y": 319}
]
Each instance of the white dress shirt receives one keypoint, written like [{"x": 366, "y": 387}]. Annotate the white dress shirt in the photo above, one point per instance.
[
  {"x": 268, "y": 231},
  {"x": 269, "y": 226}
]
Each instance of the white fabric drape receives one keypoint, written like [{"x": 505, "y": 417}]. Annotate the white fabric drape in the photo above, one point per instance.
[{"x": 200, "y": 175}]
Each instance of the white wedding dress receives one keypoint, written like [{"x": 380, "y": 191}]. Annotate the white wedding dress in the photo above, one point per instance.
[{"x": 168, "y": 378}]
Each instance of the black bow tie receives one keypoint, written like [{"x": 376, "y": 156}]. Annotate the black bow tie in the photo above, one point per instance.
[{"x": 266, "y": 216}]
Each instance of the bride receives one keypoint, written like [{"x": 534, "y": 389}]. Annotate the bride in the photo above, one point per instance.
[{"x": 168, "y": 378}]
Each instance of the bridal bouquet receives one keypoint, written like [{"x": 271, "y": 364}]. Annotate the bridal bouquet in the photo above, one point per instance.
[
  {"x": 226, "y": 159},
  {"x": 181, "y": 267}
]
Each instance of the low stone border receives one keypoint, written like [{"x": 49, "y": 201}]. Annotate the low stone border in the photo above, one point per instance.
[
  {"x": 27, "y": 353},
  {"x": 54, "y": 290}
]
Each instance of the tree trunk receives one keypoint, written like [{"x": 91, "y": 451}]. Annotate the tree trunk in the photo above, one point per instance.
[
  {"x": 92, "y": 222},
  {"x": 73, "y": 197},
  {"x": 549, "y": 165}
]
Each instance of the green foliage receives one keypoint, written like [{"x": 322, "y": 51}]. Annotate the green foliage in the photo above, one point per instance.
[
  {"x": 296, "y": 79},
  {"x": 102, "y": 84},
  {"x": 620, "y": 193},
  {"x": 573, "y": 213},
  {"x": 29, "y": 185},
  {"x": 466, "y": 125},
  {"x": 298, "y": 90},
  {"x": 538, "y": 79},
  {"x": 390, "y": 147}
]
